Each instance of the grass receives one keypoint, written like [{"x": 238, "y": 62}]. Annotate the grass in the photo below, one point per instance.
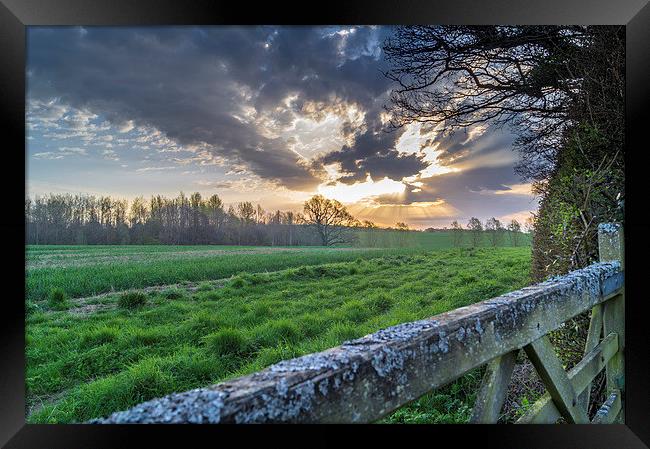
[
  {"x": 435, "y": 240},
  {"x": 155, "y": 266},
  {"x": 132, "y": 300},
  {"x": 227, "y": 342},
  {"x": 173, "y": 293},
  {"x": 57, "y": 299},
  {"x": 82, "y": 367},
  {"x": 96, "y": 269},
  {"x": 451, "y": 404}
]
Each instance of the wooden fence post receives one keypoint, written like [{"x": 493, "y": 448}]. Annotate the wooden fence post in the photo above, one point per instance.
[
  {"x": 494, "y": 388},
  {"x": 611, "y": 247}
]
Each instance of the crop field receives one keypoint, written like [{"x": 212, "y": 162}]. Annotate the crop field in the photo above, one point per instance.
[{"x": 201, "y": 315}]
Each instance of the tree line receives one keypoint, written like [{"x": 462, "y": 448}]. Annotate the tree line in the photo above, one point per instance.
[
  {"x": 183, "y": 220},
  {"x": 495, "y": 231},
  {"x": 65, "y": 219},
  {"x": 68, "y": 219}
]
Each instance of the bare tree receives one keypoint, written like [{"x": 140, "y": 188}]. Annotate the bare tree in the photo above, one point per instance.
[
  {"x": 476, "y": 228},
  {"x": 330, "y": 219},
  {"x": 370, "y": 233},
  {"x": 535, "y": 78},
  {"x": 514, "y": 229},
  {"x": 495, "y": 231},
  {"x": 457, "y": 233},
  {"x": 290, "y": 220},
  {"x": 246, "y": 214}
]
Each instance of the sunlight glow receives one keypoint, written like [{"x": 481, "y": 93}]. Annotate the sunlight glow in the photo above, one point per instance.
[
  {"x": 499, "y": 158},
  {"x": 415, "y": 141},
  {"x": 414, "y": 214},
  {"x": 434, "y": 167},
  {"x": 359, "y": 191},
  {"x": 517, "y": 189},
  {"x": 521, "y": 216}
]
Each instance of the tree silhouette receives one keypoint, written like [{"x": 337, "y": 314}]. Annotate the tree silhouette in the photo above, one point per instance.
[
  {"x": 476, "y": 228},
  {"x": 514, "y": 228},
  {"x": 539, "y": 79},
  {"x": 457, "y": 233},
  {"x": 495, "y": 231},
  {"x": 329, "y": 218}
]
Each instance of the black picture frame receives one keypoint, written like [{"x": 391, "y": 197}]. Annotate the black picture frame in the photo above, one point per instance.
[{"x": 16, "y": 15}]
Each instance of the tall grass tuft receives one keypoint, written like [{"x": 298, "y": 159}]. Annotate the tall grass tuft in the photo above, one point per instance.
[
  {"x": 132, "y": 300},
  {"x": 227, "y": 342},
  {"x": 58, "y": 300}
]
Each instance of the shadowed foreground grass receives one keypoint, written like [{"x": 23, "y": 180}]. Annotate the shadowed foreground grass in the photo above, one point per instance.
[{"x": 82, "y": 367}]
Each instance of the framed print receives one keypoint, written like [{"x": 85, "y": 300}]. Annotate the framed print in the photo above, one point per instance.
[{"x": 413, "y": 217}]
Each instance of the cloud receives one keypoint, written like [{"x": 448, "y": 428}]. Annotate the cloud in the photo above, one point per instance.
[
  {"x": 521, "y": 216},
  {"x": 126, "y": 126},
  {"x": 516, "y": 189},
  {"x": 110, "y": 155},
  {"x": 274, "y": 108},
  {"x": 61, "y": 153},
  {"x": 473, "y": 147},
  {"x": 191, "y": 84},
  {"x": 148, "y": 169},
  {"x": 45, "y": 111},
  {"x": 48, "y": 155},
  {"x": 373, "y": 153},
  {"x": 483, "y": 192}
]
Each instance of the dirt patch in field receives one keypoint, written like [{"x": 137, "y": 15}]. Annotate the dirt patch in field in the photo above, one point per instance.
[
  {"x": 35, "y": 404},
  {"x": 88, "y": 305},
  {"x": 88, "y": 309}
]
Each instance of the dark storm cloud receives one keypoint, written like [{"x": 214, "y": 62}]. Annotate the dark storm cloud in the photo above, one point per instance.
[
  {"x": 374, "y": 154},
  {"x": 460, "y": 183},
  {"x": 171, "y": 79},
  {"x": 188, "y": 82},
  {"x": 222, "y": 86}
]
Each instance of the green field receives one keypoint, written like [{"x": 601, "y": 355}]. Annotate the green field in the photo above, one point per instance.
[
  {"x": 92, "y": 356},
  {"x": 91, "y": 270},
  {"x": 438, "y": 239}
]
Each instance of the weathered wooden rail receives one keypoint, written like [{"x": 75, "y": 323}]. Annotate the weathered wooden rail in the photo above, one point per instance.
[{"x": 365, "y": 379}]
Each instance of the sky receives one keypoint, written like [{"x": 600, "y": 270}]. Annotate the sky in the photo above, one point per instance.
[{"x": 271, "y": 115}]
